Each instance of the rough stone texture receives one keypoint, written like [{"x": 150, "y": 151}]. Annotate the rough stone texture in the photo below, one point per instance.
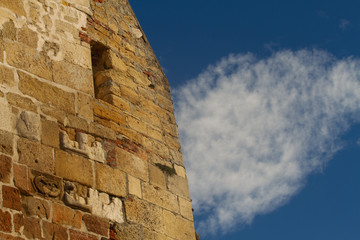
[
  {"x": 21, "y": 102},
  {"x": 6, "y": 118},
  {"x": 96, "y": 224},
  {"x": 185, "y": 208},
  {"x": 76, "y": 235},
  {"x": 6, "y": 142},
  {"x": 132, "y": 164},
  {"x": 110, "y": 180},
  {"x": 5, "y": 222},
  {"x": 177, "y": 227},
  {"x": 128, "y": 231},
  {"x": 157, "y": 177},
  {"x": 179, "y": 186},
  {"x": 66, "y": 216},
  {"x": 29, "y": 225},
  {"x": 6, "y": 76},
  {"x": 28, "y": 125},
  {"x": 35, "y": 207},
  {"x": 11, "y": 198},
  {"x": 15, "y": 6},
  {"x": 36, "y": 156},
  {"x": 160, "y": 197},
  {"x": 54, "y": 231},
  {"x": 5, "y": 169},
  {"x": 134, "y": 186},
  {"x": 49, "y": 133},
  {"x": 21, "y": 178}
]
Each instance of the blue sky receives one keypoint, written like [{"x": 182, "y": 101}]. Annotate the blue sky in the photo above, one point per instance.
[{"x": 267, "y": 95}]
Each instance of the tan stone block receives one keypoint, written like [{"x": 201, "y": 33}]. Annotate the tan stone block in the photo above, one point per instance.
[
  {"x": 154, "y": 108},
  {"x": 176, "y": 156},
  {"x": 1, "y": 52},
  {"x": 6, "y": 76},
  {"x": 127, "y": 132},
  {"x": 147, "y": 93},
  {"x": 180, "y": 170},
  {"x": 156, "y": 147},
  {"x": 170, "y": 129},
  {"x": 134, "y": 186},
  {"x": 6, "y": 142},
  {"x": 117, "y": 63},
  {"x": 117, "y": 102},
  {"x": 21, "y": 102},
  {"x": 76, "y": 54},
  {"x": 173, "y": 142},
  {"x": 186, "y": 208},
  {"x": 66, "y": 216},
  {"x": 106, "y": 111},
  {"x": 66, "y": 30},
  {"x": 36, "y": 156},
  {"x": 178, "y": 185},
  {"x": 59, "y": 115},
  {"x": 177, "y": 227},
  {"x": 7, "y": 118},
  {"x": 77, "y": 123},
  {"x": 155, "y": 133},
  {"x": 28, "y": 59},
  {"x": 157, "y": 177},
  {"x": 130, "y": 95},
  {"x": 16, "y": 6},
  {"x": 110, "y": 180},
  {"x": 28, "y": 37},
  {"x": 50, "y": 133},
  {"x": 9, "y": 30},
  {"x": 147, "y": 117},
  {"x": 160, "y": 197},
  {"x": 102, "y": 131},
  {"x": 21, "y": 178},
  {"x": 141, "y": 78},
  {"x": 132, "y": 164},
  {"x": 49, "y": 94},
  {"x": 5, "y": 169},
  {"x": 85, "y": 106},
  {"x": 73, "y": 76},
  {"x": 2, "y": 94},
  {"x": 152, "y": 235},
  {"x": 128, "y": 231},
  {"x": 35, "y": 207},
  {"x": 137, "y": 125},
  {"x": 54, "y": 231},
  {"x": 165, "y": 102},
  {"x": 109, "y": 87},
  {"x": 74, "y": 167},
  {"x": 141, "y": 212}
]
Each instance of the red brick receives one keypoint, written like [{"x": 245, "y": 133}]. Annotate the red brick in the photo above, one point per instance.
[
  {"x": 5, "y": 169},
  {"x": 11, "y": 198},
  {"x": 5, "y": 221},
  {"x": 76, "y": 235},
  {"x": 96, "y": 224},
  {"x": 21, "y": 178},
  {"x": 32, "y": 228},
  {"x": 54, "y": 231},
  {"x": 66, "y": 216}
]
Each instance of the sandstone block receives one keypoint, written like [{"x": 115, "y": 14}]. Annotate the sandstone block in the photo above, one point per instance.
[
  {"x": 73, "y": 76},
  {"x": 54, "y": 231},
  {"x": 7, "y": 76},
  {"x": 52, "y": 95},
  {"x": 28, "y": 125},
  {"x": 128, "y": 231},
  {"x": 173, "y": 142},
  {"x": 76, "y": 54},
  {"x": 16, "y": 6},
  {"x": 21, "y": 102},
  {"x": 35, "y": 207},
  {"x": 134, "y": 186},
  {"x": 102, "y": 131},
  {"x": 186, "y": 208},
  {"x": 6, "y": 142},
  {"x": 53, "y": 112},
  {"x": 179, "y": 186},
  {"x": 28, "y": 37},
  {"x": 130, "y": 95},
  {"x": 36, "y": 156},
  {"x": 108, "y": 112},
  {"x": 6, "y": 117},
  {"x": 180, "y": 171},
  {"x": 5, "y": 222},
  {"x": 132, "y": 164},
  {"x": 28, "y": 59},
  {"x": 85, "y": 106},
  {"x": 96, "y": 224},
  {"x": 177, "y": 227},
  {"x": 150, "y": 118},
  {"x": 117, "y": 102},
  {"x": 160, "y": 197},
  {"x": 157, "y": 177},
  {"x": 152, "y": 235},
  {"x": 74, "y": 167},
  {"x": 11, "y": 198},
  {"x": 137, "y": 125},
  {"x": 77, "y": 123},
  {"x": 50, "y": 133},
  {"x": 156, "y": 147},
  {"x": 5, "y": 169},
  {"x": 110, "y": 180},
  {"x": 29, "y": 225},
  {"x": 76, "y": 235},
  {"x": 66, "y": 216},
  {"x": 165, "y": 103},
  {"x": 21, "y": 178},
  {"x": 9, "y": 237}
]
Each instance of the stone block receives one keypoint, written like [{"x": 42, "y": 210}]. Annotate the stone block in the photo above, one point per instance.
[
  {"x": 117, "y": 102},
  {"x": 34, "y": 207},
  {"x": 11, "y": 198},
  {"x": 28, "y": 225},
  {"x": 186, "y": 208},
  {"x": 55, "y": 113},
  {"x": 179, "y": 186},
  {"x": 128, "y": 231},
  {"x": 49, "y": 95},
  {"x": 21, "y": 102},
  {"x": 96, "y": 224},
  {"x": 28, "y": 59},
  {"x": 110, "y": 180},
  {"x": 36, "y": 156},
  {"x": 160, "y": 197},
  {"x": 157, "y": 177},
  {"x": 28, "y": 37},
  {"x": 66, "y": 216},
  {"x": 132, "y": 164},
  {"x": 28, "y": 125},
  {"x": 6, "y": 117},
  {"x": 150, "y": 118},
  {"x": 6, "y": 142},
  {"x": 173, "y": 142},
  {"x": 165, "y": 103},
  {"x": 77, "y": 123},
  {"x": 16, "y": 6},
  {"x": 106, "y": 111},
  {"x": 152, "y": 235},
  {"x": 54, "y": 231},
  {"x": 178, "y": 227},
  {"x": 21, "y": 178},
  {"x": 141, "y": 212},
  {"x": 5, "y": 168},
  {"x": 180, "y": 171},
  {"x": 5, "y": 222},
  {"x": 156, "y": 147},
  {"x": 102, "y": 131},
  {"x": 134, "y": 186},
  {"x": 50, "y": 133},
  {"x": 4, "y": 236},
  {"x": 74, "y": 167},
  {"x": 130, "y": 95},
  {"x": 7, "y": 76},
  {"x": 85, "y": 106},
  {"x": 76, "y": 235},
  {"x": 76, "y": 54},
  {"x": 73, "y": 76}
]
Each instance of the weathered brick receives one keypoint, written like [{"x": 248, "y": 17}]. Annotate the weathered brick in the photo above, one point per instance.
[
  {"x": 160, "y": 197},
  {"x": 35, "y": 207},
  {"x": 6, "y": 142},
  {"x": 178, "y": 227},
  {"x": 132, "y": 164},
  {"x": 54, "y": 231},
  {"x": 11, "y": 198},
  {"x": 21, "y": 178},
  {"x": 5, "y": 222},
  {"x": 157, "y": 177},
  {"x": 7, "y": 76},
  {"x": 110, "y": 180},
  {"x": 66, "y": 216},
  {"x": 178, "y": 185},
  {"x": 21, "y": 102},
  {"x": 49, "y": 94},
  {"x": 50, "y": 133},
  {"x": 73, "y": 76},
  {"x": 16, "y": 6},
  {"x": 36, "y": 156},
  {"x": 5, "y": 168},
  {"x": 28, "y": 59},
  {"x": 76, "y": 235},
  {"x": 29, "y": 225},
  {"x": 96, "y": 224},
  {"x": 74, "y": 167}
]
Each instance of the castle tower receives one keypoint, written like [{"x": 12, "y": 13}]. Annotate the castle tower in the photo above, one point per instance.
[{"x": 89, "y": 146}]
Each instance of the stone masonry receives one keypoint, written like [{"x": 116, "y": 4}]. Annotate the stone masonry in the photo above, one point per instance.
[{"x": 89, "y": 146}]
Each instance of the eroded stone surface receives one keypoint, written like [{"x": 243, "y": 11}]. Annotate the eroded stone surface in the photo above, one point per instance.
[{"x": 28, "y": 125}]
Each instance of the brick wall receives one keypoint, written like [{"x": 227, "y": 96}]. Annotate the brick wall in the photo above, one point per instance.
[{"x": 89, "y": 146}]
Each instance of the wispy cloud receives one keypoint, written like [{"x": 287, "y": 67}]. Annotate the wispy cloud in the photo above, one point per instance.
[
  {"x": 253, "y": 129},
  {"x": 344, "y": 23}
]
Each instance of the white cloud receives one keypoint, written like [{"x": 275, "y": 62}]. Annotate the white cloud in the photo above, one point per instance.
[{"x": 252, "y": 130}]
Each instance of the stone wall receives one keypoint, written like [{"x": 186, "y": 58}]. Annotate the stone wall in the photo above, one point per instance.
[{"x": 89, "y": 146}]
